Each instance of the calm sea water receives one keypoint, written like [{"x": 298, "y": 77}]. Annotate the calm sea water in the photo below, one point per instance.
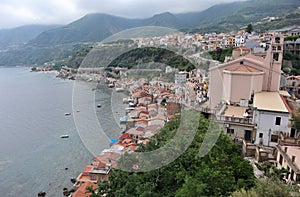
[{"x": 33, "y": 157}]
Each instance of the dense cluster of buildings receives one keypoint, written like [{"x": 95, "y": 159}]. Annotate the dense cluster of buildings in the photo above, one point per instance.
[{"x": 248, "y": 95}]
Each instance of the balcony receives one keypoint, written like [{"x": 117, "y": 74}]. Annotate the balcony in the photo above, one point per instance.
[
  {"x": 235, "y": 114},
  {"x": 235, "y": 120}
]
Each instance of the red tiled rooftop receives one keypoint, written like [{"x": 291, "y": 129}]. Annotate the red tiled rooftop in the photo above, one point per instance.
[
  {"x": 87, "y": 168},
  {"x": 109, "y": 156},
  {"x": 82, "y": 192},
  {"x": 84, "y": 178},
  {"x": 125, "y": 136},
  {"x": 140, "y": 129},
  {"x": 243, "y": 68}
]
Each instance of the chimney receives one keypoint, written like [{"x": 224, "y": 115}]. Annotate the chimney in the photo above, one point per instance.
[
  {"x": 285, "y": 149},
  {"x": 293, "y": 158}
]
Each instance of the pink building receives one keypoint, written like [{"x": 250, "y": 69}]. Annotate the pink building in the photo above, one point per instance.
[{"x": 239, "y": 79}]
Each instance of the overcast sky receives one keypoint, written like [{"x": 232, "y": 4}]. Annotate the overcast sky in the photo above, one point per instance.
[{"x": 22, "y": 12}]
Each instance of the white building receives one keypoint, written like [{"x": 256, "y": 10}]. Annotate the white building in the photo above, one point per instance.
[
  {"x": 239, "y": 41},
  {"x": 271, "y": 115},
  {"x": 181, "y": 77}
]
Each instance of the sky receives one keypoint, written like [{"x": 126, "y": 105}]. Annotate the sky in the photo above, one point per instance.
[{"x": 15, "y": 13}]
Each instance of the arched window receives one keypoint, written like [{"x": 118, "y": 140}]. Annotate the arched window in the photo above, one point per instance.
[
  {"x": 279, "y": 48},
  {"x": 277, "y": 40},
  {"x": 275, "y": 56}
]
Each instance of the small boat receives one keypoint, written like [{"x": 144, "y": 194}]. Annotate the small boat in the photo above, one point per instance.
[
  {"x": 67, "y": 114},
  {"x": 120, "y": 89},
  {"x": 64, "y": 136},
  {"x": 42, "y": 193},
  {"x": 99, "y": 105}
]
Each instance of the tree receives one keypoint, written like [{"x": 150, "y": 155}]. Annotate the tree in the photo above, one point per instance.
[
  {"x": 219, "y": 173},
  {"x": 249, "y": 28},
  {"x": 267, "y": 187},
  {"x": 297, "y": 122}
]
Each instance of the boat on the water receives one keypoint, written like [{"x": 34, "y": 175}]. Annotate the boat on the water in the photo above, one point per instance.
[
  {"x": 67, "y": 114},
  {"x": 120, "y": 89},
  {"x": 99, "y": 105},
  {"x": 64, "y": 136}
]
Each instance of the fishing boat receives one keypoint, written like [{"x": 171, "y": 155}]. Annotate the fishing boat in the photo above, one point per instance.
[{"x": 64, "y": 136}]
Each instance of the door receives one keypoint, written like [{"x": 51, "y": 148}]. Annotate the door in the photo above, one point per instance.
[{"x": 248, "y": 135}]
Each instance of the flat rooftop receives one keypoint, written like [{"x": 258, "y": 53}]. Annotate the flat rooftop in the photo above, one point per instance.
[
  {"x": 270, "y": 101},
  {"x": 235, "y": 111}
]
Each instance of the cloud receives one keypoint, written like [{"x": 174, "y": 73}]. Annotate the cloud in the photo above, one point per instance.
[{"x": 15, "y": 12}]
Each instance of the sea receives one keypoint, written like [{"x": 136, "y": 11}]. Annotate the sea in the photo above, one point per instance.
[{"x": 33, "y": 156}]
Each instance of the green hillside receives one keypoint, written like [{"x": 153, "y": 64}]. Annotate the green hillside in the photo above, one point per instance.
[
  {"x": 96, "y": 27},
  {"x": 17, "y": 37},
  {"x": 218, "y": 173}
]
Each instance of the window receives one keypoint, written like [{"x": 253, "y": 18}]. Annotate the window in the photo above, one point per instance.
[
  {"x": 275, "y": 56},
  {"x": 261, "y": 135},
  {"x": 288, "y": 172},
  {"x": 279, "y": 48},
  {"x": 278, "y": 120},
  {"x": 230, "y": 131},
  {"x": 274, "y": 138},
  {"x": 294, "y": 83},
  {"x": 280, "y": 159}
]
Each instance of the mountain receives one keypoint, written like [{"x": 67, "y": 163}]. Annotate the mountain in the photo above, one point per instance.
[
  {"x": 165, "y": 19},
  {"x": 90, "y": 28},
  {"x": 96, "y": 27},
  {"x": 229, "y": 16},
  {"x": 19, "y": 36},
  {"x": 222, "y": 17}
]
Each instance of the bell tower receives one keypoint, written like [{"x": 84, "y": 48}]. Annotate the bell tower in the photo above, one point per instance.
[{"x": 274, "y": 62}]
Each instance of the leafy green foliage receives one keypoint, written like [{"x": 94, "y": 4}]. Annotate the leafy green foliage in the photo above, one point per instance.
[
  {"x": 38, "y": 55},
  {"x": 220, "y": 54},
  {"x": 271, "y": 171},
  {"x": 295, "y": 62},
  {"x": 141, "y": 56},
  {"x": 249, "y": 28},
  {"x": 293, "y": 38},
  {"x": 219, "y": 173},
  {"x": 268, "y": 187},
  {"x": 297, "y": 122}
]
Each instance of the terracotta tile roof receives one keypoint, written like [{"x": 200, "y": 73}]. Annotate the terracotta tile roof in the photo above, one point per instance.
[
  {"x": 110, "y": 155},
  {"x": 124, "y": 136},
  {"x": 101, "y": 165},
  {"x": 87, "y": 168},
  {"x": 82, "y": 192},
  {"x": 243, "y": 68},
  {"x": 140, "y": 129}
]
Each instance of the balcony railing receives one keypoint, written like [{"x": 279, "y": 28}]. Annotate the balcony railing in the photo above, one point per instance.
[{"x": 234, "y": 119}]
